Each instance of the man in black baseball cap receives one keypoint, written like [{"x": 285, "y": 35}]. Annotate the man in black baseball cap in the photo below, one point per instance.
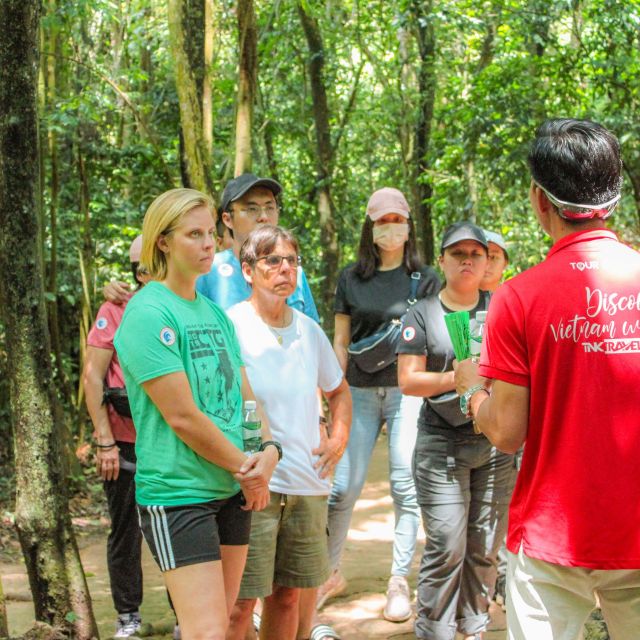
[
  {"x": 247, "y": 202},
  {"x": 240, "y": 186}
]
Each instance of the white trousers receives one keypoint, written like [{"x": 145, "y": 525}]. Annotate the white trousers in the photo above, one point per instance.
[{"x": 550, "y": 602}]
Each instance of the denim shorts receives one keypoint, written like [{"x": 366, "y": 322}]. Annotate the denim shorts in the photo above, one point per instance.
[{"x": 190, "y": 534}]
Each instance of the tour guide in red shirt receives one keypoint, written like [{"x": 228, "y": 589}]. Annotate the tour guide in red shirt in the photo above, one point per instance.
[{"x": 561, "y": 360}]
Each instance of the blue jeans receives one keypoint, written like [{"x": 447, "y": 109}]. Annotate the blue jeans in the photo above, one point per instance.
[{"x": 372, "y": 407}]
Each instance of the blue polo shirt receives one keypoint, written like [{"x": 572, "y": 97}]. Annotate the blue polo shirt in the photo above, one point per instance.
[{"x": 226, "y": 286}]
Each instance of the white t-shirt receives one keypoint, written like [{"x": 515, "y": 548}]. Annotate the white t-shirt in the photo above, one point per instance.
[{"x": 285, "y": 378}]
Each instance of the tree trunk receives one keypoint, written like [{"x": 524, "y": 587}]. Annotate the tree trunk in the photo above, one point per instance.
[
  {"x": 634, "y": 176},
  {"x": 324, "y": 156},
  {"x": 86, "y": 260},
  {"x": 541, "y": 16},
  {"x": 197, "y": 172},
  {"x": 42, "y": 515},
  {"x": 4, "y": 625},
  {"x": 247, "y": 73},
  {"x": 54, "y": 191},
  {"x": 426, "y": 38},
  {"x": 474, "y": 131},
  {"x": 207, "y": 103},
  {"x": 406, "y": 131}
]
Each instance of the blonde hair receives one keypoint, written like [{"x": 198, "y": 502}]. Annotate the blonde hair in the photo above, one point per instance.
[{"x": 163, "y": 215}]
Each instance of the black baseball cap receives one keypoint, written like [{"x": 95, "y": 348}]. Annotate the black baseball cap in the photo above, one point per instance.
[
  {"x": 459, "y": 231},
  {"x": 237, "y": 187}
]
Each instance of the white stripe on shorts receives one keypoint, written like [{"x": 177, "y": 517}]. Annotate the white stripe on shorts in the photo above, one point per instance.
[
  {"x": 165, "y": 526},
  {"x": 161, "y": 537}
]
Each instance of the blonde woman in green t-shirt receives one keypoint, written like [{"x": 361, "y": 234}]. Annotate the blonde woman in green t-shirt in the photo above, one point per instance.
[{"x": 195, "y": 488}]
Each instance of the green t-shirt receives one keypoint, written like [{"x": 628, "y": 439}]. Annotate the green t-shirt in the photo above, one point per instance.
[{"x": 162, "y": 333}]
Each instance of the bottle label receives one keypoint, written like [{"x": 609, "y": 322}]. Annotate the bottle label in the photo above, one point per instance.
[{"x": 251, "y": 436}]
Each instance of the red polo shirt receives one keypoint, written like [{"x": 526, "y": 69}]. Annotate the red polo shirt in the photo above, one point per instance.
[
  {"x": 101, "y": 335},
  {"x": 569, "y": 329}
]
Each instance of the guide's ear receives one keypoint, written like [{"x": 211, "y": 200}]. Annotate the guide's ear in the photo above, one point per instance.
[{"x": 542, "y": 206}]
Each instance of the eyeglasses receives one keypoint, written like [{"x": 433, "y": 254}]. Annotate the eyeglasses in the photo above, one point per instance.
[
  {"x": 274, "y": 261},
  {"x": 254, "y": 211}
]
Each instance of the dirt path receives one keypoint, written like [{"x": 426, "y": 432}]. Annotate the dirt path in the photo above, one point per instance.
[{"x": 356, "y": 615}]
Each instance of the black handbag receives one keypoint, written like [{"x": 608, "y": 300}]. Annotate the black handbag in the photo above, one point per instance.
[
  {"x": 117, "y": 397},
  {"x": 377, "y": 351}
]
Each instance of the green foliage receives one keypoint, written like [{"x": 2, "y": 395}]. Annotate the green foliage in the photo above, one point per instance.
[{"x": 501, "y": 67}]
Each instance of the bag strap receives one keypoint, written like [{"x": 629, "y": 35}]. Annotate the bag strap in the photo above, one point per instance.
[{"x": 415, "y": 282}]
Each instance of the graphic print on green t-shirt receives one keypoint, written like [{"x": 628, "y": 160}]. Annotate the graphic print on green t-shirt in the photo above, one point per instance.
[
  {"x": 207, "y": 344},
  {"x": 162, "y": 334}
]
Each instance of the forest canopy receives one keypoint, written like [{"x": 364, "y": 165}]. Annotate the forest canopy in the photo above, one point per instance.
[{"x": 334, "y": 99}]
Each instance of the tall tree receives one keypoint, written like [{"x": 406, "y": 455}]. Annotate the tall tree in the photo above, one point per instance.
[
  {"x": 247, "y": 73},
  {"x": 189, "y": 76},
  {"x": 324, "y": 154},
  {"x": 49, "y": 65},
  {"x": 426, "y": 37},
  {"x": 56, "y": 577},
  {"x": 4, "y": 625},
  {"x": 207, "y": 107},
  {"x": 475, "y": 129}
]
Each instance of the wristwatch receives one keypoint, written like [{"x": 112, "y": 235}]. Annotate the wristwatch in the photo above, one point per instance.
[
  {"x": 465, "y": 398},
  {"x": 275, "y": 444}
]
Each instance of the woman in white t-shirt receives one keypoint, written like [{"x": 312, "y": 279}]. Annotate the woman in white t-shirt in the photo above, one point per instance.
[{"x": 287, "y": 358}]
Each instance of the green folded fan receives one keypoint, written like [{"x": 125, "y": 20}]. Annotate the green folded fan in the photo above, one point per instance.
[{"x": 458, "y": 328}]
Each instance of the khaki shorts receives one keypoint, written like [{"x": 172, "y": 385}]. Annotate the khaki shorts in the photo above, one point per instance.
[
  {"x": 551, "y": 602},
  {"x": 288, "y": 546}
]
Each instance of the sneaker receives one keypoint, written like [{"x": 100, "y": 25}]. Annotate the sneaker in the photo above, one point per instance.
[
  {"x": 398, "y": 607},
  {"x": 177, "y": 634},
  {"x": 127, "y": 624},
  {"x": 335, "y": 584}
]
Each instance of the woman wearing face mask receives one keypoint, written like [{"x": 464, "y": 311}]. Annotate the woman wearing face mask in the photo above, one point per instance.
[{"x": 370, "y": 293}]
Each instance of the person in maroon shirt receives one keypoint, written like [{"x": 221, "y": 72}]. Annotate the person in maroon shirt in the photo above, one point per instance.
[
  {"x": 115, "y": 437},
  {"x": 561, "y": 364}
]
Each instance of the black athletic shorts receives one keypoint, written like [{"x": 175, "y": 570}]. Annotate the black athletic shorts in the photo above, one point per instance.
[{"x": 190, "y": 534}]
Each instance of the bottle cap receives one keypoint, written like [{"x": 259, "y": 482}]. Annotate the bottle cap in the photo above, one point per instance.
[{"x": 249, "y": 404}]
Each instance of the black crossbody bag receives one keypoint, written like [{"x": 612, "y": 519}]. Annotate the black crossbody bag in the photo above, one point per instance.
[
  {"x": 377, "y": 351},
  {"x": 117, "y": 397}
]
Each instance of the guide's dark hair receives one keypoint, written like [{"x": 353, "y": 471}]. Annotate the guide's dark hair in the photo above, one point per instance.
[
  {"x": 262, "y": 241},
  {"x": 369, "y": 258},
  {"x": 577, "y": 161}
]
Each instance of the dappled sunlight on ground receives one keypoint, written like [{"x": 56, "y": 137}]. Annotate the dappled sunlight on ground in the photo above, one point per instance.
[{"x": 356, "y": 614}]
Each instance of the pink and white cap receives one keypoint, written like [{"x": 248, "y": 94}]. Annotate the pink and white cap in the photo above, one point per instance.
[{"x": 387, "y": 200}]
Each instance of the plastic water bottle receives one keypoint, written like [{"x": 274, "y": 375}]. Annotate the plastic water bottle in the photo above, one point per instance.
[
  {"x": 251, "y": 428},
  {"x": 475, "y": 334}
]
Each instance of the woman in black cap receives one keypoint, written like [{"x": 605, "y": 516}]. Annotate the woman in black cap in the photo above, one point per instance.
[{"x": 463, "y": 483}]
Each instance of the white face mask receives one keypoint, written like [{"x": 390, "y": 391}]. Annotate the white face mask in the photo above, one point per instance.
[{"x": 391, "y": 236}]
